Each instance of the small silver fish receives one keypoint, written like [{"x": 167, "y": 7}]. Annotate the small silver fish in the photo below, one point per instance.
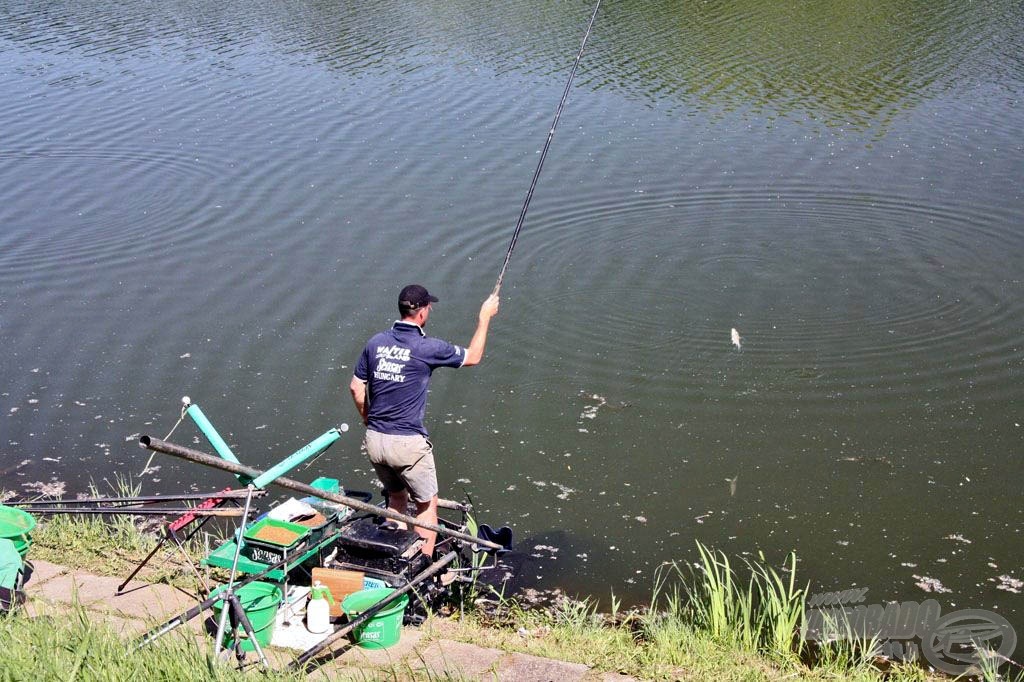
[{"x": 736, "y": 339}]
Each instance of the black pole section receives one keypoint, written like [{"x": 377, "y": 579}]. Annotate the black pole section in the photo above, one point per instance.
[
  {"x": 544, "y": 152},
  {"x": 198, "y": 457},
  {"x": 369, "y": 613},
  {"x": 139, "y": 511},
  {"x": 141, "y": 499}
]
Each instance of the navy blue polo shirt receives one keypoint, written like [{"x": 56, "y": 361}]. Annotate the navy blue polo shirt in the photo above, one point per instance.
[{"x": 396, "y": 366}]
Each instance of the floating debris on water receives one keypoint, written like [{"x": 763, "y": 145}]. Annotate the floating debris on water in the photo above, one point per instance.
[
  {"x": 929, "y": 584},
  {"x": 590, "y": 411},
  {"x": 47, "y": 489},
  {"x": 736, "y": 338},
  {"x": 552, "y": 551},
  {"x": 958, "y": 538},
  {"x": 641, "y": 519},
  {"x": 1008, "y": 583}
]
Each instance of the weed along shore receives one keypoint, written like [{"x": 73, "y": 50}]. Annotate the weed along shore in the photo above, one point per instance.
[{"x": 719, "y": 620}]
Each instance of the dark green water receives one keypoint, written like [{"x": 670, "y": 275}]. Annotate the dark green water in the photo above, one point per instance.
[{"x": 223, "y": 199}]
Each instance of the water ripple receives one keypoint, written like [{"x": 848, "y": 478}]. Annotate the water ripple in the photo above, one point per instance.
[
  {"x": 840, "y": 287},
  {"x": 97, "y": 227}
]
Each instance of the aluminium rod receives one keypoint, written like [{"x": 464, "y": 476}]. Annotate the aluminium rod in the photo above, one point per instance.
[{"x": 198, "y": 457}]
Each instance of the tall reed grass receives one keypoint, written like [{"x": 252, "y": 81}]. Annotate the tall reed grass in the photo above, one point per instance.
[{"x": 762, "y": 612}]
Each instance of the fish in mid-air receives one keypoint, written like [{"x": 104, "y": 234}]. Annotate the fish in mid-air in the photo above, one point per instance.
[{"x": 736, "y": 339}]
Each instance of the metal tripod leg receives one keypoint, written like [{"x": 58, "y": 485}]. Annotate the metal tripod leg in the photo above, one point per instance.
[
  {"x": 229, "y": 593},
  {"x": 243, "y": 618}
]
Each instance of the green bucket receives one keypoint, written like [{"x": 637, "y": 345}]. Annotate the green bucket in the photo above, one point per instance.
[
  {"x": 16, "y": 525},
  {"x": 260, "y": 602},
  {"x": 385, "y": 628}
]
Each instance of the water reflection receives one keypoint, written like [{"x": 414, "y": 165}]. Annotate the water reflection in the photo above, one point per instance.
[
  {"x": 217, "y": 200},
  {"x": 840, "y": 65}
]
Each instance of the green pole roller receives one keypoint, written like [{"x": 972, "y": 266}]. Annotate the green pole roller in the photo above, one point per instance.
[
  {"x": 296, "y": 458},
  {"x": 211, "y": 433}
]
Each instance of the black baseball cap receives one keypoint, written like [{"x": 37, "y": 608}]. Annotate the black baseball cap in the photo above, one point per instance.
[{"x": 415, "y": 296}]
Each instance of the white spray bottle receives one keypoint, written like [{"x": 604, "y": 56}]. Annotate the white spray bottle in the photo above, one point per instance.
[{"x": 318, "y": 610}]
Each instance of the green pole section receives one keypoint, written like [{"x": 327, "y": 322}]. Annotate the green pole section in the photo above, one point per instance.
[
  {"x": 211, "y": 433},
  {"x": 297, "y": 458}
]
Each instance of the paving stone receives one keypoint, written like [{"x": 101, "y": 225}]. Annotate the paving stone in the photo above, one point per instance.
[
  {"x": 53, "y": 591},
  {"x": 407, "y": 643},
  {"x": 526, "y": 668},
  {"x": 126, "y": 627},
  {"x": 458, "y": 659},
  {"x": 38, "y": 607},
  {"x": 142, "y": 600},
  {"x": 65, "y": 588},
  {"x": 43, "y": 571}
]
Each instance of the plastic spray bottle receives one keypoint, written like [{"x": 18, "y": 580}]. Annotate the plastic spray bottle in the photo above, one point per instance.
[{"x": 318, "y": 610}]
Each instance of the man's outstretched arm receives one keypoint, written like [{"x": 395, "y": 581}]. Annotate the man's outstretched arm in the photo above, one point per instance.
[{"x": 475, "y": 350}]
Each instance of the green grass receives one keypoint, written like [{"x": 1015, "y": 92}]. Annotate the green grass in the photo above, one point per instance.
[
  {"x": 711, "y": 622},
  {"x": 717, "y": 620},
  {"x": 79, "y": 646},
  {"x": 114, "y": 545}
]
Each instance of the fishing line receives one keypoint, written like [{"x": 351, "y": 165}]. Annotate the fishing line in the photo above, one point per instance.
[{"x": 544, "y": 152}]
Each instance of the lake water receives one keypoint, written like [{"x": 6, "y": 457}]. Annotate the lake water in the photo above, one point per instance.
[{"x": 223, "y": 199}]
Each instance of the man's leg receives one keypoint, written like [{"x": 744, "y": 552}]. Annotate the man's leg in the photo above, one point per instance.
[
  {"x": 399, "y": 502},
  {"x": 427, "y": 513}
]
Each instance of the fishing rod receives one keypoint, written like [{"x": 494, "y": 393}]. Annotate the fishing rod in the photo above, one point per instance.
[
  {"x": 544, "y": 152},
  {"x": 139, "y": 511},
  {"x": 136, "y": 500}
]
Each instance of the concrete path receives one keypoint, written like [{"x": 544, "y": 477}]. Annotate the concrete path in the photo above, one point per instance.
[{"x": 418, "y": 654}]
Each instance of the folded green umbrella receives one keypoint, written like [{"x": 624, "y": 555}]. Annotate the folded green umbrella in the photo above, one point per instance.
[
  {"x": 10, "y": 564},
  {"x": 10, "y": 576}
]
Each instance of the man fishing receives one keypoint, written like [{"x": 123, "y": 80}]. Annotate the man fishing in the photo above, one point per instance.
[{"x": 389, "y": 388}]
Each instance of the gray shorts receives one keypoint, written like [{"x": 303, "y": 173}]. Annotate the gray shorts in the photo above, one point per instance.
[{"x": 403, "y": 463}]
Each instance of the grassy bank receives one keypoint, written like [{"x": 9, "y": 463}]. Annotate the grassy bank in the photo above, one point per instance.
[{"x": 718, "y": 621}]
